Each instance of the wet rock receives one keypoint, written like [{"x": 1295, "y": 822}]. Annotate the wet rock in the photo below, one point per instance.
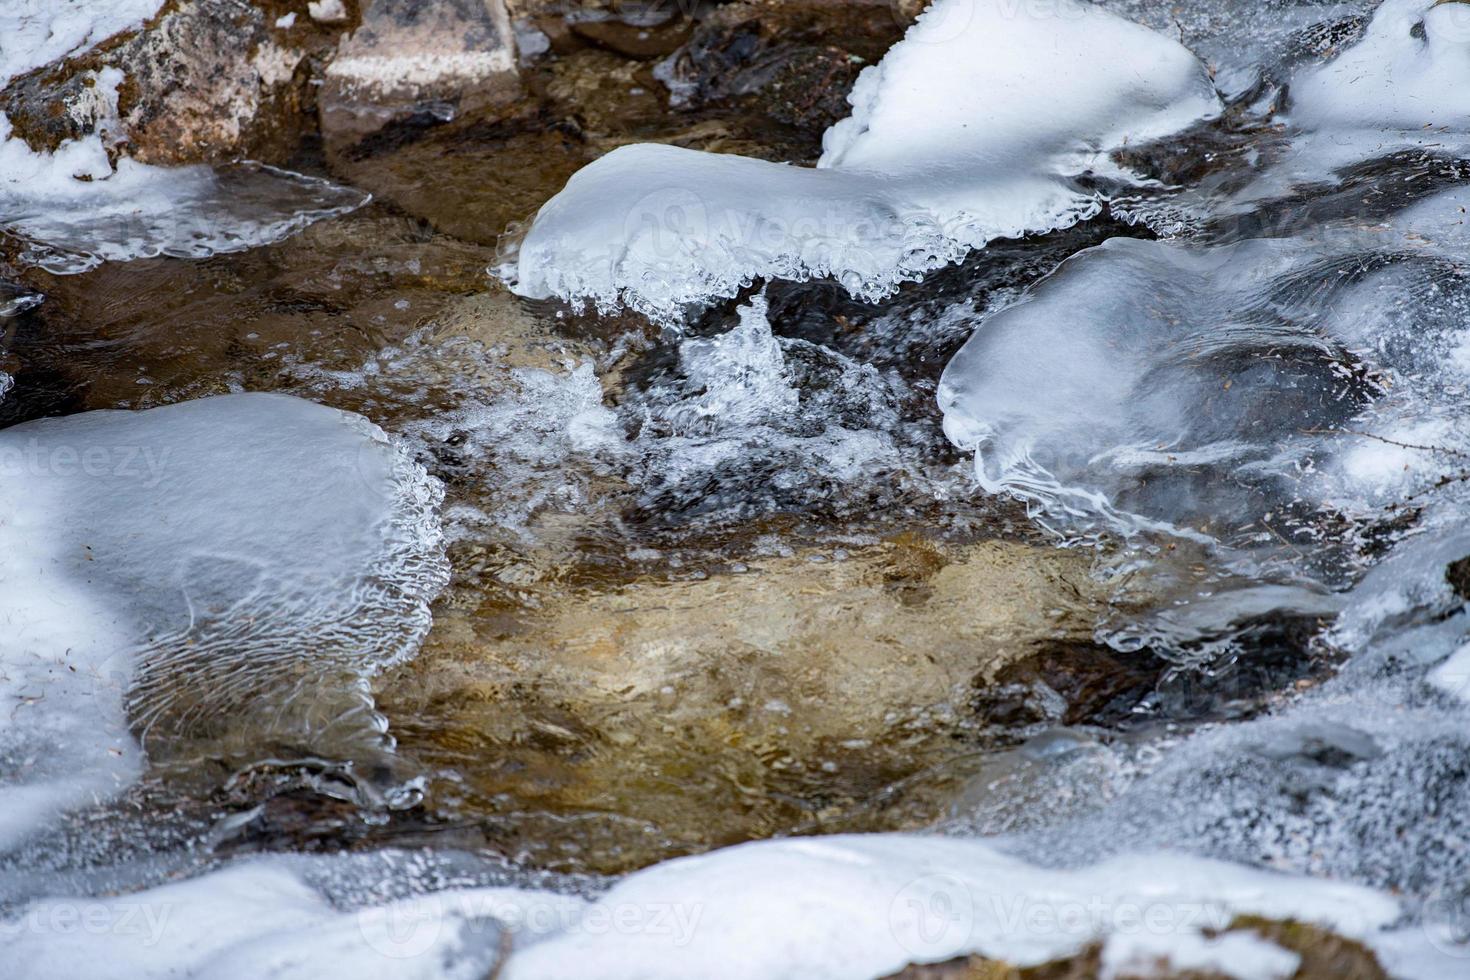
[
  {"x": 205, "y": 80},
  {"x": 1324, "y": 956},
  {"x": 634, "y": 40},
  {"x": 793, "y": 62},
  {"x": 155, "y": 331},
  {"x": 449, "y": 56},
  {"x": 1458, "y": 575}
]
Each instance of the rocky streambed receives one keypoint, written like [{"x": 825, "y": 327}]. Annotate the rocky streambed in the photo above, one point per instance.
[{"x": 1061, "y": 512}]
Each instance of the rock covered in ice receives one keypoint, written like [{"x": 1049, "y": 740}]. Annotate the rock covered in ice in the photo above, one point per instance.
[
  {"x": 1227, "y": 389},
  {"x": 208, "y": 80},
  {"x": 842, "y": 907},
  {"x": 164, "y": 569},
  {"x": 867, "y": 906},
  {"x": 1410, "y": 71},
  {"x": 37, "y": 32},
  {"x": 981, "y": 123}
]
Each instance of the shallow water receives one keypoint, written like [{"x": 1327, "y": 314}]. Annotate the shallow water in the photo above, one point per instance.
[{"x": 1134, "y": 535}]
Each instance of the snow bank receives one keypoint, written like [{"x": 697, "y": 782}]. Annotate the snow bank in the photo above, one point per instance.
[
  {"x": 837, "y": 907},
  {"x": 980, "y": 124},
  {"x": 164, "y": 568}
]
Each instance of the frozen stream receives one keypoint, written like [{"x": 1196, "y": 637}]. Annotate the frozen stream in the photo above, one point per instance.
[{"x": 1032, "y": 529}]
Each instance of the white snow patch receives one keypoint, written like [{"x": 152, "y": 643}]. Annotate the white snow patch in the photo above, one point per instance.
[
  {"x": 1239, "y": 955},
  {"x": 864, "y": 906},
  {"x": 37, "y": 32},
  {"x": 973, "y": 127}
]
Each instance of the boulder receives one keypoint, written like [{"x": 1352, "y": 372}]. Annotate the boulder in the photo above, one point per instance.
[
  {"x": 407, "y": 56},
  {"x": 202, "y": 81}
]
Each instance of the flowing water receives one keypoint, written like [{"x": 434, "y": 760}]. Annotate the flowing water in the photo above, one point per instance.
[{"x": 1095, "y": 511}]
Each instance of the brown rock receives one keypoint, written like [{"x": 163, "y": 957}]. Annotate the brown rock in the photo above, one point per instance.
[
  {"x": 204, "y": 81},
  {"x": 454, "y": 54},
  {"x": 633, "y": 40}
]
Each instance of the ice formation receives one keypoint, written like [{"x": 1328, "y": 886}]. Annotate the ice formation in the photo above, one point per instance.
[
  {"x": 175, "y": 569},
  {"x": 1230, "y": 391},
  {"x": 990, "y": 119},
  {"x": 1410, "y": 72},
  {"x": 74, "y": 209},
  {"x": 838, "y": 907}
]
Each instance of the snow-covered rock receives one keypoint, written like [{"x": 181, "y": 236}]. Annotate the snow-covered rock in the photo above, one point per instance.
[{"x": 992, "y": 118}]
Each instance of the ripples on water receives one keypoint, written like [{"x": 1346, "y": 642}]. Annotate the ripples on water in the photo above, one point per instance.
[{"x": 1220, "y": 442}]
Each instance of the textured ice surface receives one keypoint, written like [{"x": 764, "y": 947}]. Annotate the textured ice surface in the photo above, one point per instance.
[
  {"x": 838, "y": 907},
  {"x": 73, "y": 209},
  {"x": 180, "y": 569},
  {"x": 991, "y": 118},
  {"x": 1252, "y": 46},
  {"x": 1238, "y": 392},
  {"x": 1358, "y": 99},
  {"x": 1410, "y": 71},
  {"x": 37, "y": 32}
]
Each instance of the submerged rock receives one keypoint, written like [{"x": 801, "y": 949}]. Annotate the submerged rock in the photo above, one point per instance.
[{"x": 664, "y": 715}]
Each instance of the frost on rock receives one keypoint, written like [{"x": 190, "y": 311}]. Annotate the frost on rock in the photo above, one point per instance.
[
  {"x": 37, "y": 32},
  {"x": 242, "y": 560},
  {"x": 990, "y": 119},
  {"x": 73, "y": 210},
  {"x": 1248, "y": 394}
]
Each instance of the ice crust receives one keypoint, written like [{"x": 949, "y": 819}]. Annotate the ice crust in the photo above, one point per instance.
[
  {"x": 74, "y": 209},
  {"x": 838, "y": 907},
  {"x": 1200, "y": 389},
  {"x": 1410, "y": 71},
  {"x": 175, "y": 570},
  {"x": 992, "y": 118}
]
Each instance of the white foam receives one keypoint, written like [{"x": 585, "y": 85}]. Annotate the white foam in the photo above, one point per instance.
[
  {"x": 167, "y": 567},
  {"x": 976, "y": 126}
]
